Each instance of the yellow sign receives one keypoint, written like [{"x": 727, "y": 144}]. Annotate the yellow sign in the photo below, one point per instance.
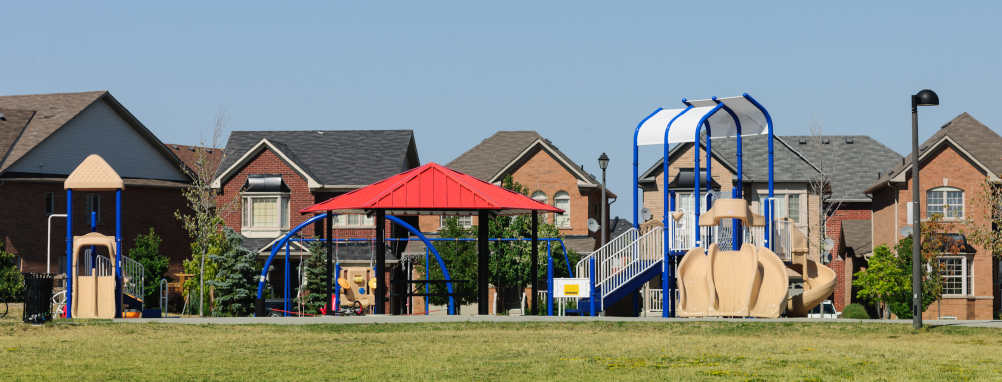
[{"x": 571, "y": 290}]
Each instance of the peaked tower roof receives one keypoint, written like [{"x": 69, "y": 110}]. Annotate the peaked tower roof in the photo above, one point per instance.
[
  {"x": 432, "y": 189},
  {"x": 94, "y": 174}
]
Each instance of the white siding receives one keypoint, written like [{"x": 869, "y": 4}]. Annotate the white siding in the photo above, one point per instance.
[{"x": 98, "y": 130}]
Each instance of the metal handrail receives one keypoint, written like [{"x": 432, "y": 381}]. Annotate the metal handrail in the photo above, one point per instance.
[
  {"x": 133, "y": 274},
  {"x": 626, "y": 264},
  {"x": 101, "y": 265},
  {"x": 613, "y": 246},
  {"x": 164, "y": 290}
]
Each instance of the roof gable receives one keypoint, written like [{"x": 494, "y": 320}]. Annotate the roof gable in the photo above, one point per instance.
[
  {"x": 331, "y": 158},
  {"x": 12, "y": 124},
  {"x": 972, "y": 139},
  {"x": 67, "y": 127},
  {"x": 492, "y": 158}
]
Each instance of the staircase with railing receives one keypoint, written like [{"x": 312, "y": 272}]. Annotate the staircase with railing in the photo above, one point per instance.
[{"x": 133, "y": 276}]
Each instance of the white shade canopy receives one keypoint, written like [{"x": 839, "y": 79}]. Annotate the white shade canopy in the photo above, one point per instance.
[{"x": 722, "y": 125}]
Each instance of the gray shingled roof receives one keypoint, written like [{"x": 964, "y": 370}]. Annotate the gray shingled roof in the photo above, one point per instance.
[
  {"x": 858, "y": 237},
  {"x": 13, "y": 123},
  {"x": 52, "y": 112},
  {"x": 485, "y": 160},
  {"x": 334, "y": 157},
  {"x": 973, "y": 136},
  {"x": 793, "y": 161}
]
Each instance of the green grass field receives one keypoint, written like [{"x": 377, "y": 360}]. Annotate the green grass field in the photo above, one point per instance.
[{"x": 694, "y": 351}]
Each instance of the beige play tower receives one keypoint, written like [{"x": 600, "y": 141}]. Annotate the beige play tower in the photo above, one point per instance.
[
  {"x": 750, "y": 282},
  {"x": 93, "y": 280}
]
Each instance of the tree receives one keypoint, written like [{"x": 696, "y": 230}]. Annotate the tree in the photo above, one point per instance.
[
  {"x": 987, "y": 234},
  {"x": 11, "y": 280},
  {"x": 204, "y": 221},
  {"x": 823, "y": 164},
  {"x": 313, "y": 292},
  {"x": 147, "y": 253},
  {"x": 235, "y": 280},
  {"x": 887, "y": 280}
]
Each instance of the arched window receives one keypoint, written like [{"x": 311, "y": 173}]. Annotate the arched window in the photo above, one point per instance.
[
  {"x": 948, "y": 201},
  {"x": 540, "y": 196},
  {"x": 562, "y": 200}
]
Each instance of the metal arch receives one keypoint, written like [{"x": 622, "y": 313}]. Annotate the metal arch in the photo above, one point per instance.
[
  {"x": 664, "y": 170},
  {"x": 698, "y": 180},
  {"x": 667, "y": 269},
  {"x": 636, "y": 173},
  {"x": 278, "y": 245},
  {"x": 739, "y": 190},
  {"x": 441, "y": 263},
  {"x": 768, "y": 211}
]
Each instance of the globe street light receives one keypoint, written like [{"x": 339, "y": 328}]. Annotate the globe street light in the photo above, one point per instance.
[
  {"x": 923, "y": 98},
  {"x": 603, "y": 162}
]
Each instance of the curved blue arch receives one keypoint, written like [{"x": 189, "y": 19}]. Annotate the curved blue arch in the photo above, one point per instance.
[
  {"x": 696, "y": 170},
  {"x": 768, "y": 211},
  {"x": 284, "y": 240},
  {"x": 739, "y": 190},
  {"x": 441, "y": 263},
  {"x": 636, "y": 174}
]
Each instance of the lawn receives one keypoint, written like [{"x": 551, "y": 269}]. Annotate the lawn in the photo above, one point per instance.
[{"x": 695, "y": 351}]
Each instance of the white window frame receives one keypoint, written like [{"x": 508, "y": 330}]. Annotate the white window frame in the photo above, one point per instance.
[
  {"x": 945, "y": 205},
  {"x": 966, "y": 275},
  {"x": 783, "y": 206},
  {"x": 50, "y": 203},
  {"x": 562, "y": 220},
  {"x": 92, "y": 201},
  {"x": 465, "y": 221},
  {"x": 283, "y": 215},
  {"x": 354, "y": 221},
  {"x": 545, "y": 200}
]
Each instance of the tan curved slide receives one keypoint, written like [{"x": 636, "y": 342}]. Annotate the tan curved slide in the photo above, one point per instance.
[
  {"x": 772, "y": 286},
  {"x": 731, "y": 277},
  {"x": 819, "y": 280},
  {"x": 693, "y": 289}
]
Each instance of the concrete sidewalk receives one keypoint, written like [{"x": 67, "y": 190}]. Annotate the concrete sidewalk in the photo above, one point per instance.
[{"x": 387, "y": 319}]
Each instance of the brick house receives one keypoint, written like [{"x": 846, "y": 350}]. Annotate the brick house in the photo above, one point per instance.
[
  {"x": 43, "y": 138},
  {"x": 267, "y": 176},
  {"x": 794, "y": 163},
  {"x": 954, "y": 162},
  {"x": 548, "y": 173}
]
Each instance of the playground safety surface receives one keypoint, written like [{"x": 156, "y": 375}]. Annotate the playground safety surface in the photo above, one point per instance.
[{"x": 388, "y": 319}]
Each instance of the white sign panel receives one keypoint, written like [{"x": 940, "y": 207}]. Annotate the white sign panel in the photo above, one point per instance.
[{"x": 571, "y": 288}]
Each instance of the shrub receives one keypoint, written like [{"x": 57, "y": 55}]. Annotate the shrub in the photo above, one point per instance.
[
  {"x": 147, "y": 253},
  {"x": 11, "y": 281},
  {"x": 855, "y": 311}
]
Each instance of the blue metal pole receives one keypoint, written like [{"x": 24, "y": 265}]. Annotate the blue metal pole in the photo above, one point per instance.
[
  {"x": 591, "y": 282},
  {"x": 427, "y": 288},
  {"x": 549, "y": 279},
  {"x": 668, "y": 196},
  {"x": 337, "y": 287},
  {"x": 70, "y": 266},
  {"x": 636, "y": 171},
  {"x": 118, "y": 254},
  {"x": 93, "y": 228},
  {"x": 768, "y": 221},
  {"x": 696, "y": 170},
  {"x": 285, "y": 303}
]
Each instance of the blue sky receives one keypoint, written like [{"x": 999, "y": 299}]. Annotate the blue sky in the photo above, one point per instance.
[{"x": 580, "y": 73}]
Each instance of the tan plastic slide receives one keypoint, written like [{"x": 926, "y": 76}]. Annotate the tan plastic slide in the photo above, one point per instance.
[
  {"x": 93, "y": 296},
  {"x": 750, "y": 282},
  {"x": 819, "y": 280}
]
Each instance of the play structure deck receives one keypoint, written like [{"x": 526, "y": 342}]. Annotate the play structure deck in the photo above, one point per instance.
[{"x": 733, "y": 262}]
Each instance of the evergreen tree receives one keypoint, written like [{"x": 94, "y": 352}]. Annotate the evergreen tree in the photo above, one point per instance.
[{"x": 236, "y": 277}]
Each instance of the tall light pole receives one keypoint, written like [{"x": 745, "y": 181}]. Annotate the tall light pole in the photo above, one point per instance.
[
  {"x": 923, "y": 98},
  {"x": 603, "y": 162}
]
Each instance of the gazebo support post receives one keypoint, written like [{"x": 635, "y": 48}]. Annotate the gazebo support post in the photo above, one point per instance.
[
  {"x": 330, "y": 264},
  {"x": 380, "y": 261},
  {"x": 483, "y": 262},
  {"x": 534, "y": 274}
]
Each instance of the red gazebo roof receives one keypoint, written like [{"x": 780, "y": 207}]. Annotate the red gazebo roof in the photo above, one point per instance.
[{"x": 432, "y": 189}]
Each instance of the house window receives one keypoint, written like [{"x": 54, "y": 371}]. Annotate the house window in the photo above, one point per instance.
[
  {"x": 94, "y": 206},
  {"x": 787, "y": 205},
  {"x": 957, "y": 275},
  {"x": 540, "y": 196},
  {"x": 266, "y": 211},
  {"x": 685, "y": 202},
  {"x": 463, "y": 221},
  {"x": 562, "y": 200},
  {"x": 948, "y": 201},
  {"x": 347, "y": 221},
  {"x": 50, "y": 203}
]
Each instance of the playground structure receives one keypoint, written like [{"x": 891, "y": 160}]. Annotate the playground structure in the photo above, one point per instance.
[
  {"x": 734, "y": 278},
  {"x": 100, "y": 287},
  {"x": 430, "y": 189}
]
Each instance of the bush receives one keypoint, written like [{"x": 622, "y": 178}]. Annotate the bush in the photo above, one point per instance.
[
  {"x": 175, "y": 301},
  {"x": 855, "y": 311},
  {"x": 147, "y": 253},
  {"x": 11, "y": 281}
]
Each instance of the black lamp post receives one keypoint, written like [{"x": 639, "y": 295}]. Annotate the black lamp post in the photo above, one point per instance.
[
  {"x": 923, "y": 98},
  {"x": 603, "y": 162}
]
